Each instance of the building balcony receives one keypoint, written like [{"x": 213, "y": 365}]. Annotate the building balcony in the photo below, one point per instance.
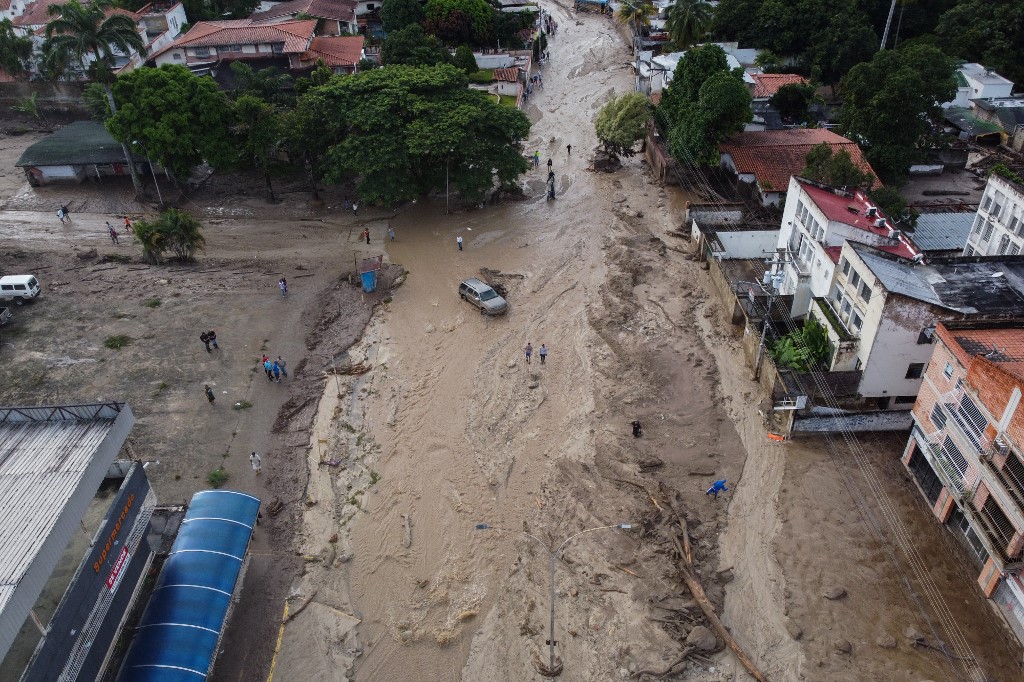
[{"x": 1010, "y": 475}]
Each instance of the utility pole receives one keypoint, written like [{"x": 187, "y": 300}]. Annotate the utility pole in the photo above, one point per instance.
[
  {"x": 136, "y": 182},
  {"x": 888, "y": 23},
  {"x": 770, "y": 285}
]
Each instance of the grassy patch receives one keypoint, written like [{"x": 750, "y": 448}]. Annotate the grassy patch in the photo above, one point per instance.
[
  {"x": 482, "y": 76},
  {"x": 163, "y": 386},
  {"x": 507, "y": 101},
  {"x": 374, "y": 477},
  {"x": 118, "y": 342},
  {"x": 217, "y": 477},
  {"x": 241, "y": 405},
  {"x": 153, "y": 303}
]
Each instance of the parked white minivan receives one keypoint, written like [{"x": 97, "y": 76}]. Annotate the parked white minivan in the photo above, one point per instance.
[{"x": 19, "y": 288}]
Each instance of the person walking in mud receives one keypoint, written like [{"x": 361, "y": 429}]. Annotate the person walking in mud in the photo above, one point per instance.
[
  {"x": 283, "y": 285},
  {"x": 391, "y": 233},
  {"x": 458, "y": 240},
  {"x": 284, "y": 367},
  {"x": 257, "y": 464},
  {"x": 113, "y": 233},
  {"x": 213, "y": 339},
  {"x": 205, "y": 338},
  {"x": 268, "y": 369},
  {"x": 529, "y": 351},
  {"x": 355, "y": 208},
  {"x": 543, "y": 353},
  {"x": 209, "y": 393},
  {"x": 568, "y": 150},
  {"x": 276, "y": 368},
  {"x": 366, "y": 233},
  {"x": 717, "y": 487}
]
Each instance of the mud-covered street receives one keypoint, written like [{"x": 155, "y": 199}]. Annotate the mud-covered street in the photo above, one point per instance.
[{"x": 408, "y": 419}]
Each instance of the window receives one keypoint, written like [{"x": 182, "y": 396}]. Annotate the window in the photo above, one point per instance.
[
  {"x": 1015, "y": 225},
  {"x": 905, "y": 399},
  {"x": 837, "y": 294},
  {"x": 234, "y": 48},
  {"x": 938, "y": 416},
  {"x": 865, "y": 292},
  {"x": 915, "y": 370},
  {"x": 987, "y": 233},
  {"x": 370, "y": 6},
  {"x": 969, "y": 251},
  {"x": 277, "y": 48},
  {"x": 177, "y": 55},
  {"x": 1004, "y": 245},
  {"x": 845, "y": 265},
  {"x": 1014, "y": 249},
  {"x": 800, "y": 209},
  {"x": 927, "y": 335},
  {"x": 856, "y": 322},
  {"x": 855, "y": 279},
  {"x": 948, "y": 371},
  {"x": 202, "y": 51},
  {"x": 986, "y": 203},
  {"x": 844, "y": 311},
  {"x": 976, "y": 227}
]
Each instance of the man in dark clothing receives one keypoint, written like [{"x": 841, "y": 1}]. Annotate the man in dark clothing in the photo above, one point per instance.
[
  {"x": 637, "y": 431},
  {"x": 209, "y": 393},
  {"x": 205, "y": 338},
  {"x": 213, "y": 338}
]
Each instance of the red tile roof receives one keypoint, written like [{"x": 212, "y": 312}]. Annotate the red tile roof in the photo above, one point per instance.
[
  {"x": 335, "y": 50},
  {"x": 1001, "y": 347},
  {"x": 36, "y": 13},
  {"x": 773, "y": 156},
  {"x": 509, "y": 75},
  {"x": 342, "y": 10},
  {"x": 767, "y": 84},
  {"x": 853, "y": 212},
  {"x": 296, "y": 35}
]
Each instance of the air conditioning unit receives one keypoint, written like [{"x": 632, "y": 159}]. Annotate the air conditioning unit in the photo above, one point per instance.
[
  {"x": 1000, "y": 446},
  {"x": 872, "y": 211},
  {"x": 880, "y": 222},
  {"x": 894, "y": 234}
]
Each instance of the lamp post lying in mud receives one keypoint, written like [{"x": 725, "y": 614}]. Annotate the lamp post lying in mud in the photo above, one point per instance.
[{"x": 553, "y": 669}]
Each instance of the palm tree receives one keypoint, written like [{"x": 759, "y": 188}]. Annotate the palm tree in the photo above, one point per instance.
[
  {"x": 15, "y": 50},
  {"x": 636, "y": 15},
  {"x": 79, "y": 31},
  {"x": 687, "y": 21}
]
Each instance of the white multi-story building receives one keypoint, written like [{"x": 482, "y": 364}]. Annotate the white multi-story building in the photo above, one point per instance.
[
  {"x": 816, "y": 222},
  {"x": 998, "y": 228}
]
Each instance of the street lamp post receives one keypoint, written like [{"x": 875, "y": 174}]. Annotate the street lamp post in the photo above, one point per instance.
[
  {"x": 553, "y": 555},
  {"x": 447, "y": 163},
  {"x": 152, "y": 171}
]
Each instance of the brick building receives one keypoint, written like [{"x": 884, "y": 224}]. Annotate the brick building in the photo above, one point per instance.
[{"x": 966, "y": 452}]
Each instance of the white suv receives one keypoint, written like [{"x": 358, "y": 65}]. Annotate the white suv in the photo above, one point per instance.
[
  {"x": 483, "y": 297},
  {"x": 19, "y": 288}
]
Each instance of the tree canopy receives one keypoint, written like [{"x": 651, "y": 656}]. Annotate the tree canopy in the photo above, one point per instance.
[
  {"x": 723, "y": 107},
  {"x": 687, "y": 21},
  {"x": 465, "y": 60},
  {"x": 399, "y": 128},
  {"x": 78, "y": 31},
  {"x": 835, "y": 169},
  {"x": 459, "y": 21},
  {"x": 696, "y": 66},
  {"x": 622, "y": 122},
  {"x": 793, "y": 101},
  {"x": 174, "y": 231},
  {"x": 397, "y": 14},
  {"x": 987, "y": 31},
  {"x": 258, "y": 136},
  {"x": 15, "y": 50},
  {"x": 180, "y": 118},
  {"x": 889, "y": 102},
  {"x": 413, "y": 47}
]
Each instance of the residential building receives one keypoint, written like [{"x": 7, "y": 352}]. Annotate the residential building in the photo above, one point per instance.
[
  {"x": 210, "y": 42},
  {"x": 1008, "y": 114},
  {"x": 966, "y": 452},
  {"x": 974, "y": 81},
  {"x": 767, "y": 84},
  {"x": 816, "y": 222},
  {"x": 881, "y": 311},
  {"x": 340, "y": 53},
  {"x": 11, "y": 9},
  {"x": 942, "y": 232},
  {"x": 998, "y": 228},
  {"x": 79, "y": 150},
  {"x": 337, "y": 17},
  {"x": 764, "y": 161}
]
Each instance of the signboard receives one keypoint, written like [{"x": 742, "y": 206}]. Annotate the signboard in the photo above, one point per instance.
[{"x": 114, "y": 579}]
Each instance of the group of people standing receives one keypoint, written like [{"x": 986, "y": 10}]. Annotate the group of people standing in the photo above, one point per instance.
[{"x": 274, "y": 369}]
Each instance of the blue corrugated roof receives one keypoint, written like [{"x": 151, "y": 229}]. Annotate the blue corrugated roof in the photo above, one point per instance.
[{"x": 178, "y": 634}]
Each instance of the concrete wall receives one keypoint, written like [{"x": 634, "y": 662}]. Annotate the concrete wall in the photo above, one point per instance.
[
  {"x": 49, "y": 96},
  {"x": 749, "y": 244},
  {"x": 494, "y": 61},
  {"x": 894, "y": 347}
]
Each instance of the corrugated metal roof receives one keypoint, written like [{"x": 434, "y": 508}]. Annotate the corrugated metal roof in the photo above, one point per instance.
[
  {"x": 942, "y": 231},
  {"x": 897, "y": 277},
  {"x": 52, "y": 461},
  {"x": 179, "y": 631},
  {"x": 77, "y": 143}
]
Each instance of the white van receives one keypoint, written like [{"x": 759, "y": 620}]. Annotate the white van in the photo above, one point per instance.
[{"x": 19, "y": 288}]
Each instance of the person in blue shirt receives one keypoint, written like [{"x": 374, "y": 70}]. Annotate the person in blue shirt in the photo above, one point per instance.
[{"x": 717, "y": 487}]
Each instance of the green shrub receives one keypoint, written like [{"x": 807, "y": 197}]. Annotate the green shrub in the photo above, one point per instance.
[
  {"x": 217, "y": 477},
  {"x": 118, "y": 342}
]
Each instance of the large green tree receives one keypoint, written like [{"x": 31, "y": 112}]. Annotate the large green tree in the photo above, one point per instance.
[
  {"x": 835, "y": 169},
  {"x": 413, "y": 47},
  {"x": 397, "y": 14},
  {"x": 696, "y": 66},
  {"x": 793, "y": 101},
  {"x": 460, "y": 21},
  {"x": 174, "y": 231},
  {"x": 202, "y": 10},
  {"x": 622, "y": 122},
  {"x": 723, "y": 107},
  {"x": 269, "y": 84},
  {"x": 258, "y": 136},
  {"x": 180, "y": 118},
  {"x": 987, "y": 31},
  {"x": 687, "y": 22},
  {"x": 844, "y": 42},
  {"x": 15, "y": 50},
  {"x": 889, "y": 103},
  {"x": 636, "y": 13},
  {"x": 399, "y": 128}
]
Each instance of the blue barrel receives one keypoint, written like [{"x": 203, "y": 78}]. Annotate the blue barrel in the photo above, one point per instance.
[{"x": 370, "y": 281}]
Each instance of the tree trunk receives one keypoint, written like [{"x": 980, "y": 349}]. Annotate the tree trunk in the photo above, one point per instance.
[
  {"x": 270, "y": 188},
  {"x": 127, "y": 154}
]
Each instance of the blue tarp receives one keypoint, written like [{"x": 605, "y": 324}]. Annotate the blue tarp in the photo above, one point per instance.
[{"x": 178, "y": 634}]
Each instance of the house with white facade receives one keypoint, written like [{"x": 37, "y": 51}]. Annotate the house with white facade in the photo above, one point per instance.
[
  {"x": 974, "y": 81},
  {"x": 966, "y": 453},
  {"x": 210, "y": 42},
  {"x": 998, "y": 227},
  {"x": 11, "y": 9},
  {"x": 337, "y": 17},
  {"x": 816, "y": 222},
  {"x": 881, "y": 311}
]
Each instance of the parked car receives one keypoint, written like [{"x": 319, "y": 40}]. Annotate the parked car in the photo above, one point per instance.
[
  {"x": 483, "y": 296},
  {"x": 19, "y": 288}
]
